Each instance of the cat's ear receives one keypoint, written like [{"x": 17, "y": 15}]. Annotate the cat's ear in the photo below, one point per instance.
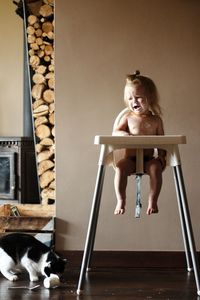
[
  {"x": 52, "y": 248},
  {"x": 65, "y": 260}
]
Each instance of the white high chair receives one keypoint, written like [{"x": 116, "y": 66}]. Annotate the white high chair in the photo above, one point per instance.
[{"x": 109, "y": 146}]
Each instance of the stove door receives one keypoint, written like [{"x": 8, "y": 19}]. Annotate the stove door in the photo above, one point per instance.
[{"x": 7, "y": 176}]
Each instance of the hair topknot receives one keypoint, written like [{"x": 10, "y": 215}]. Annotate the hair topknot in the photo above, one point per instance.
[
  {"x": 136, "y": 73},
  {"x": 131, "y": 77}
]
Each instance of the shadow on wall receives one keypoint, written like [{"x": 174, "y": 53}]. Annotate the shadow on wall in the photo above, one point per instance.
[{"x": 63, "y": 231}]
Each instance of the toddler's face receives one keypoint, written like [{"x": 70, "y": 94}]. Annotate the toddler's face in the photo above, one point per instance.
[{"x": 136, "y": 99}]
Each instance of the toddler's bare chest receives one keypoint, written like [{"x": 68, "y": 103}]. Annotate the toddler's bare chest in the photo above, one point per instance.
[{"x": 142, "y": 126}]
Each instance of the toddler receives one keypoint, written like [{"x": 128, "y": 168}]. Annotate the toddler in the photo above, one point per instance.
[{"x": 143, "y": 118}]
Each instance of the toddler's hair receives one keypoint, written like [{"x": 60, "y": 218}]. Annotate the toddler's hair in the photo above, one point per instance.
[{"x": 150, "y": 89}]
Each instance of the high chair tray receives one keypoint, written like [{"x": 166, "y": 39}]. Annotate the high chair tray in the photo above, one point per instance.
[{"x": 140, "y": 140}]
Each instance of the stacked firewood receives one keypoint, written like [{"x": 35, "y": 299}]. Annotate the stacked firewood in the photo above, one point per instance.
[{"x": 40, "y": 38}]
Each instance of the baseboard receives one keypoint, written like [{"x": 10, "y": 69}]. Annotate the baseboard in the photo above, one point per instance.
[{"x": 129, "y": 259}]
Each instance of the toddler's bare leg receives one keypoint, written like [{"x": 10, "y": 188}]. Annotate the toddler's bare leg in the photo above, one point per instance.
[
  {"x": 124, "y": 168},
  {"x": 154, "y": 170}
]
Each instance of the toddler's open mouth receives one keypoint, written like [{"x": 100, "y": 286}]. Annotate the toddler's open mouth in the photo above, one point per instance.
[{"x": 136, "y": 106}]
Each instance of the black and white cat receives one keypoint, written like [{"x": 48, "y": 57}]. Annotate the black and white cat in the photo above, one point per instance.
[{"x": 18, "y": 251}]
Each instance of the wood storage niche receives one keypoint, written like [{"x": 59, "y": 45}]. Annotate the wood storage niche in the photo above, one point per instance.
[{"x": 40, "y": 42}]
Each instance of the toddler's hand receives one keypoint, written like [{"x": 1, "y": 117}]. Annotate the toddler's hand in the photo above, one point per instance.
[{"x": 120, "y": 133}]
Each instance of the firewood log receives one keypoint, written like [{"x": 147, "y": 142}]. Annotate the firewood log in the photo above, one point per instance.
[
  {"x": 48, "y": 50},
  {"x": 37, "y": 90},
  {"x": 43, "y": 131},
  {"x": 31, "y": 30},
  {"x": 49, "y": 96},
  {"x": 51, "y": 68},
  {"x": 34, "y": 46},
  {"x": 49, "y": 75},
  {"x": 39, "y": 41},
  {"x": 51, "y": 83},
  {"x": 52, "y": 119},
  {"x": 48, "y": 38},
  {"x": 38, "y": 78},
  {"x": 32, "y": 19},
  {"x": 31, "y": 38},
  {"x": 42, "y": 46},
  {"x": 41, "y": 110},
  {"x": 41, "y": 69},
  {"x": 36, "y": 25},
  {"x": 50, "y": 35},
  {"x": 47, "y": 58},
  {"x": 37, "y": 103},
  {"x": 45, "y": 200},
  {"x": 47, "y": 142},
  {"x": 51, "y": 108},
  {"x": 50, "y": 2},
  {"x": 46, "y": 178},
  {"x": 44, "y": 166},
  {"x": 48, "y": 193},
  {"x": 53, "y": 131},
  {"x": 52, "y": 185},
  {"x": 46, "y": 10},
  {"x": 38, "y": 32},
  {"x": 47, "y": 27},
  {"x": 40, "y": 120},
  {"x": 31, "y": 52},
  {"x": 38, "y": 148},
  {"x": 40, "y": 54},
  {"x": 45, "y": 154},
  {"x": 33, "y": 6},
  {"x": 34, "y": 61}
]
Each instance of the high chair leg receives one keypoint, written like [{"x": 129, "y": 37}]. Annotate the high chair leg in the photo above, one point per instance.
[
  {"x": 182, "y": 221},
  {"x": 95, "y": 214},
  {"x": 187, "y": 225},
  {"x": 91, "y": 232}
]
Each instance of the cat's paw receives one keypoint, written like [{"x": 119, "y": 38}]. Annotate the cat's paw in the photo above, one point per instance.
[
  {"x": 16, "y": 271},
  {"x": 34, "y": 278},
  {"x": 13, "y": 278}
]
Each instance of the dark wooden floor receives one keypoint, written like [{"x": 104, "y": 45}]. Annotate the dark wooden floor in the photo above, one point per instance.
[{"x": 110, "y": 284}]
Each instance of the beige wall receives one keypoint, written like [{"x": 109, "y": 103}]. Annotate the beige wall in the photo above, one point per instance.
[
  {"x": 11, "y": 75},
  {"x": 97, "y": 44}
]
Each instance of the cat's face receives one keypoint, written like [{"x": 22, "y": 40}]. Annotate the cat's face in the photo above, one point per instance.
[{"x": 54, "y": 264}]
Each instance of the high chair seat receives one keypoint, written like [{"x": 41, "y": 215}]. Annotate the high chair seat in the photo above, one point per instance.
[{"x": 109, "y": 144}]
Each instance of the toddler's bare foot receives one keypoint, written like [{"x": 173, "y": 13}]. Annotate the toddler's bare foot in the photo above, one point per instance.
[
  {"x": 120, "y": 208},
  {"x": 152, "y": 208}
]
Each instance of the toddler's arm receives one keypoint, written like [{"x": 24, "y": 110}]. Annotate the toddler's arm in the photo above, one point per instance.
[
  {"x": 122, "y": 128},
  {"x": 161, "y": 153}
]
